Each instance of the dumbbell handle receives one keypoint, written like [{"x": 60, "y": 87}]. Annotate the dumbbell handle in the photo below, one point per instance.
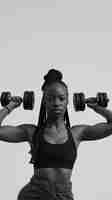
[{"x": 93, "y": 100}]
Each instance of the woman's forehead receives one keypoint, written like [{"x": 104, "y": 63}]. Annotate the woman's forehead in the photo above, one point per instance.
[{"x": 56, "y": 88}]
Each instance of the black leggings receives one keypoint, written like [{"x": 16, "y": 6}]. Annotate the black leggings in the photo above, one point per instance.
[{"x": 40, "y": 188}]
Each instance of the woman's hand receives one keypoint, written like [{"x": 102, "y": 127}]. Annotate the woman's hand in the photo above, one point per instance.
[{"x": 15, "y": 102}]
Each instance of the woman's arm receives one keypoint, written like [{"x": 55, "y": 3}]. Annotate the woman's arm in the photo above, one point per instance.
[
  {"x": 9, "y": 108},
  {"x": 19, "y": 133},
  {"x": 97, "y": 131}
]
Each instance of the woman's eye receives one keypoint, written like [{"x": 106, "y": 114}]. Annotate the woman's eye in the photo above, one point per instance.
[
  {"x": 62, "y": 98},
  {"x": 52, "y": 98}
]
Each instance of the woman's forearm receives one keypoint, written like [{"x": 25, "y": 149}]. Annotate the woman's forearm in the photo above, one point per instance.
[
  {"x": 6, "y": 110},
  {"x": 3, "y": 114},
  {"x": 106, "y": 113}
]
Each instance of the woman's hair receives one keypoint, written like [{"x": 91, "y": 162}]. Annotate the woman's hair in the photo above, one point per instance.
[{"x": 53, "y": 76}]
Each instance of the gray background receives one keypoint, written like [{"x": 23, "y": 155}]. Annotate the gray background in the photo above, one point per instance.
[{"x": 76, "y": 37}]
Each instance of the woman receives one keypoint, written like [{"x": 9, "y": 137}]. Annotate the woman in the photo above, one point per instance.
[{"x": 53, "y": 141}]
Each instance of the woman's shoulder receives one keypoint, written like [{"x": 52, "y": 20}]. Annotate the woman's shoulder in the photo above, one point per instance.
[
  {"x": 30, "y": 129},
  {"x": 78, "y": 130}
]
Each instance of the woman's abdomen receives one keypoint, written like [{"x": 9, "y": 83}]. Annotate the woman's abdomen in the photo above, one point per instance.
[{"x": 58, "y": 175}]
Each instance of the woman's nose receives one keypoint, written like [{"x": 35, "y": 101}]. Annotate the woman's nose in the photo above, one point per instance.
[{"x": 56, "y": 102}]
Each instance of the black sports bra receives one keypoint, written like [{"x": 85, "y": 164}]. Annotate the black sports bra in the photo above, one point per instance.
[{"x": 56, "y": 155}]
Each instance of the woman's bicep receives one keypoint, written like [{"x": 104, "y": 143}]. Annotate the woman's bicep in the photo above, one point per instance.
[
  {"x": 13, "y": 133},
  {"x": 97, "y": 131}
]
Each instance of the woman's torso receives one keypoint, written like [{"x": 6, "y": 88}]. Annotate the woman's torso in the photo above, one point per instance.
[{"x": 59, "y": 175}]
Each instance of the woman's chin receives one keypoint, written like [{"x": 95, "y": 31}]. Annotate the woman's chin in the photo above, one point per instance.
[{"x": 56, "y": 114}]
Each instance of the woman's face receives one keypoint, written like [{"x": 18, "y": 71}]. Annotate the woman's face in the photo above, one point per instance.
[{"x": 56, "y": 99}]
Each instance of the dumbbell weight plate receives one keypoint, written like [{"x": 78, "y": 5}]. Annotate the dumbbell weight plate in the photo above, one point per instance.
[
  {"x": 5, "y": 98},
  {"x": 102, "y": 99},
  {"x": 79, "y": 101},
  {"x": 82, "y": 101},
  {"x": 76, "y": 101},
  {"x": 28, "y": 100}
]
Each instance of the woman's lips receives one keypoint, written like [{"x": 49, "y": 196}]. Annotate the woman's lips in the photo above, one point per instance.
[{"x": 57, "y": 110}]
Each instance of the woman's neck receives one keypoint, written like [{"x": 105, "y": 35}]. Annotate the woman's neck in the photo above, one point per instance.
[{"x": 58, "y": 123}]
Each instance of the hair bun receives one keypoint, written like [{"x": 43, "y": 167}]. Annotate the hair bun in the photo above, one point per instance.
[{"x": 53, "y": 75}]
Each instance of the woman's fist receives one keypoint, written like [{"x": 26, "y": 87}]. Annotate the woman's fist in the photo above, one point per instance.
[{"x": 15, "y": 102}]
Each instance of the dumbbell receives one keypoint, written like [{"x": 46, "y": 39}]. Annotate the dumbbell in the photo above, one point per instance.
[
  {"x": 28, "y": 99},
  {"x": 79, "y": 100}
]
